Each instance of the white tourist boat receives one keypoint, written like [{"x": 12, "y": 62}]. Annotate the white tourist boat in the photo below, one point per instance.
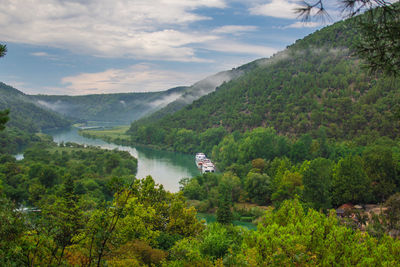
[
  {"x": 203, "y": 163},
  {"x": 208, "y": 167},
  {"x": 200, "y": 157}
]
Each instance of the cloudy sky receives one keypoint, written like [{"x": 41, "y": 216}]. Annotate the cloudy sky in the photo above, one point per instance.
[{"x": 80, "y": 47}]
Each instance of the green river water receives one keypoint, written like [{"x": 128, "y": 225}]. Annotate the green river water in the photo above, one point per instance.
[{"x": 167, "y": 168}]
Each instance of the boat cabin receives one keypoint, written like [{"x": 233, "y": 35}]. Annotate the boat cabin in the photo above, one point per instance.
[{"x": 200, "y": 157}]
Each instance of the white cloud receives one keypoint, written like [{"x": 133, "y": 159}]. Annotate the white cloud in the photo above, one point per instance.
[
  {"x": 136, "y": 29},
  {"x": 40, "y": 54},
  {"x": 140, "y": 29},
  {"x": 234, "y": 29},
  {"x": 276, "y": 8},
  {"x": 136, "y": 78},
  {"x": 299, "y": 24},
  {"x": 45, "y": 55}
]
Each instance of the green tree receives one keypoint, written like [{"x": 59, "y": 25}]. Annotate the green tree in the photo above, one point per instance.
[
  {"x": 224, "y": 211},
  {"x": 292, "y": 236},
  {"x": 290, "y": 185},
  {"x": 317, "y": 181},
  {"x": 186, "y": 140},
  {"x": 259, "y": 143},
  {"x": 381, "y": 170},
  {"x": 191, "y": 188},
  {"x": 233, "y": 182},
  {"x": 301, "y": 148},
  {"x": 3, "y": 50},
  {"x": 350, "y": 182},
  {"x": 216, "y": 240},
  {"x": 259, "y": 187},
  {"x": 227, "y": 152},
  {"x": 3, "y": 118},
  {"x": 62, "y": 219},
  {"x": 211, "y": 137},
  {"x": 187, "y": 252},
  {"x": 392, "y": 212},
  {"x": 259, "y": 164},
  {"x": 12, "y": 228},
  {"x": 4, "y": 113}
]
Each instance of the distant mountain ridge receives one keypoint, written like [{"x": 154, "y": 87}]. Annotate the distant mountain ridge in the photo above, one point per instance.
[
  {"x": 120, "y": 108},
  {"x": 124, "y": 108}
]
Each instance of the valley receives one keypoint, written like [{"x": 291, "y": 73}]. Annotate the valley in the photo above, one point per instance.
[{"x": 305, "y": 142}]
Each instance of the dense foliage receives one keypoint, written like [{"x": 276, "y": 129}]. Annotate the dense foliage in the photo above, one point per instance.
[
  {"x": 315, "y": 83},
  {"x": 137, "y": 227},
  {"x": 3, "y": 118},
  {"x": 144, "y": 225},
  {"x": 263, "y": 167},
  {"x": 46, "y": 167},
  {"x": 289, "y": 236},
  {"x": 13, "y": 140}
]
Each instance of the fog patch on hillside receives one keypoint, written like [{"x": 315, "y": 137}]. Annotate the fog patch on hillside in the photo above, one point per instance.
[
  {"x": 290, "y": 53},
  {"x": 160, "y": 103},
  {"x": 58, "y": 106},
  {"x": 207, "y": 85},
  {"x": 274, "y": 59}
]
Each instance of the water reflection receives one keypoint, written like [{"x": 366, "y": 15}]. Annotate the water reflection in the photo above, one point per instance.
[{"x": 167, "y": 168}]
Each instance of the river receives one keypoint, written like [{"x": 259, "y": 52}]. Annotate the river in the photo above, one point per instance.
[{"x": 167, "y": 168}]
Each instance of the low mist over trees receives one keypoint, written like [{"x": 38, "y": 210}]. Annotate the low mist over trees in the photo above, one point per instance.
[{"x": 379, "y": 28}]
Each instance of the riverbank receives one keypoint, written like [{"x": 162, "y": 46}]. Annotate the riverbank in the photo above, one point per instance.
[{"x": 117, "y": 135}]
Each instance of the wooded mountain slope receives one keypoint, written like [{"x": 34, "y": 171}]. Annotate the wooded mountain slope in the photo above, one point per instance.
[
  {"x": 25, "y": 115},
  {"x": 26, "y": 119},
  {"x": 197, "y": 90},
  {"x": 313, "y": 83}
]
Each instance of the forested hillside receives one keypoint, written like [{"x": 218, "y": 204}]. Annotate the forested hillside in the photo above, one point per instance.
[
  {"x": 197, "y": 90},
  {"x": 25, "y": 115},
  {"x": 26, "y": 118},
  {"x": 120, "y": 108},
  {"x": 314, "y": 83}
]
